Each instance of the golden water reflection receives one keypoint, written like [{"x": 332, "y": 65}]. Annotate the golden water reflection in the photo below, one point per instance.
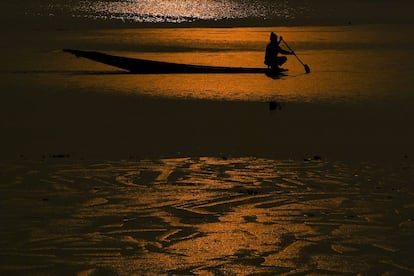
[
  {"x": 207, "y": 216},
  {"x": 347, "y": 63}
]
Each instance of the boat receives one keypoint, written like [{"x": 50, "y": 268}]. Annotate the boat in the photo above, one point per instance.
[{"x": 143, "y": 66}]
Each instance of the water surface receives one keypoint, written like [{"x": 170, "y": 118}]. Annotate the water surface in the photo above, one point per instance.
[{"x": 351, "y": 63}]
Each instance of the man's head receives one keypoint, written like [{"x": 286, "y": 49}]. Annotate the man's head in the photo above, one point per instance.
[{"x": 273, "y": 37}]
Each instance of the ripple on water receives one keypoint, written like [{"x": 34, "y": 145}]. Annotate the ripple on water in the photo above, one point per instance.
[{"x": 199, "y": 215}]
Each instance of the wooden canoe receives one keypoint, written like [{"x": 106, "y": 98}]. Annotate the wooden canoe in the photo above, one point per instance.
[{"x": 143, "y": 66}]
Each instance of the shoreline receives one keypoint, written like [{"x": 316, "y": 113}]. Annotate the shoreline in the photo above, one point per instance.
[{"x": 206, "y": 215}]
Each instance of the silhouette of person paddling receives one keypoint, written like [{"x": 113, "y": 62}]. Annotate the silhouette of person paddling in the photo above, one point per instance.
[{"x": 272, "y": 58}]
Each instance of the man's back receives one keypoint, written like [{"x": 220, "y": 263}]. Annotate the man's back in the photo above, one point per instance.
[{"x": 272, "y": 50}]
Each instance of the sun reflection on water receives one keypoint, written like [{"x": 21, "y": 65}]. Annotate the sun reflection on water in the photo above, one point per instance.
[
  {"x": 171, "y": 11},
  {"x": 176, "y": 11}
]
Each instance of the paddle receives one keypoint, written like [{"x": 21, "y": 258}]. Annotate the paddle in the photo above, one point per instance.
[{"x": 307, "y": 69}]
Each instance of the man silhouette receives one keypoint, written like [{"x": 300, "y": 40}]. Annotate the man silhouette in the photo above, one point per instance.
[{"x": 272, "y": 51}]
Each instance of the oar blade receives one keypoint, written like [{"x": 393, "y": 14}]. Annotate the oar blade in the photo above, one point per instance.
[{"x": 307, "y": 69}]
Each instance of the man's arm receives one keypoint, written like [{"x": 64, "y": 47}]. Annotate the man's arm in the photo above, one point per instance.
[{"x": 286, "y": 52}]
